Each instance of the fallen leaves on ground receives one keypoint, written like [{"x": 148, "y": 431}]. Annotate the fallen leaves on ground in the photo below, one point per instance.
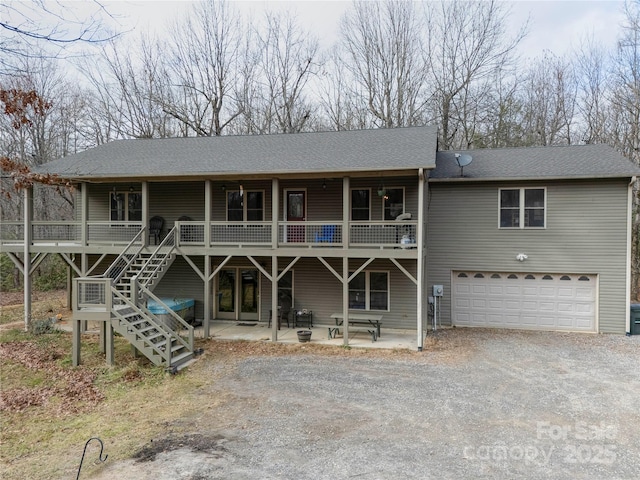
[{"x": 73, "y": 387}]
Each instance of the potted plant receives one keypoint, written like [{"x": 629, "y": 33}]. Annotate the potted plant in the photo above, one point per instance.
[{"x": 304, "y": 336}]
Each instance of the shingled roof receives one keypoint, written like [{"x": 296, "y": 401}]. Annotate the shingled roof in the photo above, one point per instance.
[
  {"x": 336, "y": 152},
  {"x": 564, "y": 162}
]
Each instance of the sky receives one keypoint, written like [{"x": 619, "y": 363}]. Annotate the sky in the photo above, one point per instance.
[{"x": 553, "y": 25}]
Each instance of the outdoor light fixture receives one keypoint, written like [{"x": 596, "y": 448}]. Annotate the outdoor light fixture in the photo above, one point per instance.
[
  {"x": 324, "y": 184},
  {"x": 521, "y": 257},
  {"x": 224, "y": 187}
]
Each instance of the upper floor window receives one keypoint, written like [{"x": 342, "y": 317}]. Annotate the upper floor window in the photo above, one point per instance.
[
  {"x": 393, "y": 203},
  {"x": 369, "y": 291},
  {"x": 249, "y": 206},
  {"x": 360, "y": 204},
  {"x": 522, "y": 207},
  {"x": 125, "y": 206}
]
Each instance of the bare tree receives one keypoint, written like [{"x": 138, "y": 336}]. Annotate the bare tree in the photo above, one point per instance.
[
  {"x": 206, "y": 65},
  {"x": 383, "y": 46},
  {"x": 593, "y": 74},
  {"x": 626, "y": 85},
  {"x": 549, "y": 97},
  {"x": 467, "y": 43},
  {"x": 288, "y": 60},
  {"x": 32, "y": 27},
  {"x": 128, "y": 88}
]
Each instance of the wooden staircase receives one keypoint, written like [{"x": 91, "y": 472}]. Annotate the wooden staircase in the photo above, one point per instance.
[{"x": 129, "y": 282}]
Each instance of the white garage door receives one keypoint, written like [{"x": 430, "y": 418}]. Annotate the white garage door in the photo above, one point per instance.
[{"x": 532, "y": 301}]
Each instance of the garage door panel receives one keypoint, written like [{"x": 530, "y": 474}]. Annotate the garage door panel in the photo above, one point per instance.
[{"x": 525, "y": 300}]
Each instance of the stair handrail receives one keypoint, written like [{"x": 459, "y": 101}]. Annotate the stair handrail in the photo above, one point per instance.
[
  {"x": 122, "y": 256},
  {"x": 155, "y": 321},
  {"x": 169, "y": 240},
  {"x": 175, "y": 316}
]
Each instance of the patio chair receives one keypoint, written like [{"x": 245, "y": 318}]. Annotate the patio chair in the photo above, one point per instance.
[
  {"x": 285, "y": 310},
  {"x": 155, "y": 228},
  {"x": 326, "y": 234}
]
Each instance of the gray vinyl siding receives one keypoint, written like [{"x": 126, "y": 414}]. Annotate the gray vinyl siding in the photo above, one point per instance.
[
  {"x": 181, "y": 281},
  {"x": 586, "y": 232},
  {"x": 98, "y": 208},
  {"x": 175, "y": 199}
]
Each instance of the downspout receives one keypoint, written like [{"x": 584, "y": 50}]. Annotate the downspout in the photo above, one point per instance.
[
  {"x": 421, "y": 267},
  {"x": 630, "y": 221}
]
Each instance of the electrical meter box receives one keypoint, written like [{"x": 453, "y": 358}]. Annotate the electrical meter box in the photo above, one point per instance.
[{"x": 438, "y": 290}]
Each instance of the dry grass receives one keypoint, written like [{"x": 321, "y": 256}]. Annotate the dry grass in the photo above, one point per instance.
[{"x": 50, "y": 409}]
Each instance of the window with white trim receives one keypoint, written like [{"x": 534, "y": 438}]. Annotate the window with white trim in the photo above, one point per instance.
[
  {"x": 360, "y": 204},
  {"x": 369, "y": 290},
  {"x": 246, "y": 206},
  {"x": 125, "y": 206},
  {"x": 523, "y": 207}
]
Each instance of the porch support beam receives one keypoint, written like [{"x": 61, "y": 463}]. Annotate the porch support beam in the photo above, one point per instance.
[
  {"x": 345, "y": 299},
  {"x": 362, "y": 267},
  {"x": 274, "y": 298},
  {"x": 28, "y": 217},
  {"x": 37, "y": 260},
  {"x": 405, "y": 271},
  {"x": 331, "y": 269},
  {"x": 96, "y": 263},
  {"x": 259, "y": 267},
  {"x": 346, "y": 213},
  {"x": 220, "y": 267},
  {"x": 285, "y": 270},
  {"x": 84, "y": 214},
  {"x": 421, "y": 267},
  {"x": 16, "y": 260},
  {"x": 145, "y": 211},
  {"x": 208, "y": 201},
  {"x": 275, "y": 208},
  {"x": 208, "y": 292},
  {"x": 194, "y": 267}
]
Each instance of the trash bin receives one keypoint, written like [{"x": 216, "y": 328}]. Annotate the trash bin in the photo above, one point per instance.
[{"x": 634, "y": 313}]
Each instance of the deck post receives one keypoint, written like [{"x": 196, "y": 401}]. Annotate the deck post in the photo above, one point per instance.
[
  {"x": 345, "y": 299},
  {"x": 76, "y": 342},
  {"x": 207, "y": 293},
  {"x": 274, "y": 298},
  {"x": 421, "y": 260},
  {"x": 84, "y": 215},
  {"x": 208, "y": 201},
  {"x": 110, "y": 357},
  {"x": 346, "y": 215},
  {"x": 26, "y": 263}
]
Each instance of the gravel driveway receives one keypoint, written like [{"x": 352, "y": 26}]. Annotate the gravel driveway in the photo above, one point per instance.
[{"x": 479, "y": 404}]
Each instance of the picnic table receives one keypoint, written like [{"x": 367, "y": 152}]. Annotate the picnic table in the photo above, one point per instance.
[{"x": 371, "y": 322}]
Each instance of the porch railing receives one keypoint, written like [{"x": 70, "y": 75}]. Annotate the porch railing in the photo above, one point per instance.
[{"x": 316, "y": 234}]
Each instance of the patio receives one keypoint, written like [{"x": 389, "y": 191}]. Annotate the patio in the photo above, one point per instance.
[{"x": 390, "y": 338}]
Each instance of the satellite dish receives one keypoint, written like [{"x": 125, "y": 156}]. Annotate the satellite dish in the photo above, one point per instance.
[{"x": 462, "y": 159}]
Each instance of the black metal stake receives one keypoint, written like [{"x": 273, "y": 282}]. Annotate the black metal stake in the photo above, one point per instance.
[{"x": 100, "y": 457}]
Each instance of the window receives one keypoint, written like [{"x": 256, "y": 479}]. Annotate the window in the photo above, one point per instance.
[
  {"x": 522, "y": 208},
  {"x": 393, "y": 203},
  {"x": 125, "y": 206},
  {"x": 249, "y": 206},
  {"x": 369, "y": 291},
  {"x": 360, "y": 204}
]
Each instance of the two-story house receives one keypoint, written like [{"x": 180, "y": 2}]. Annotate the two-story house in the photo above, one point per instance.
[{"x": 369, "y": 223}]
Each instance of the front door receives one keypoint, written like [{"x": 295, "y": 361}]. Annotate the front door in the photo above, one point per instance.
[
  {"x": 296, "y": 212},
  {"x": 238, "y": 294}
]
